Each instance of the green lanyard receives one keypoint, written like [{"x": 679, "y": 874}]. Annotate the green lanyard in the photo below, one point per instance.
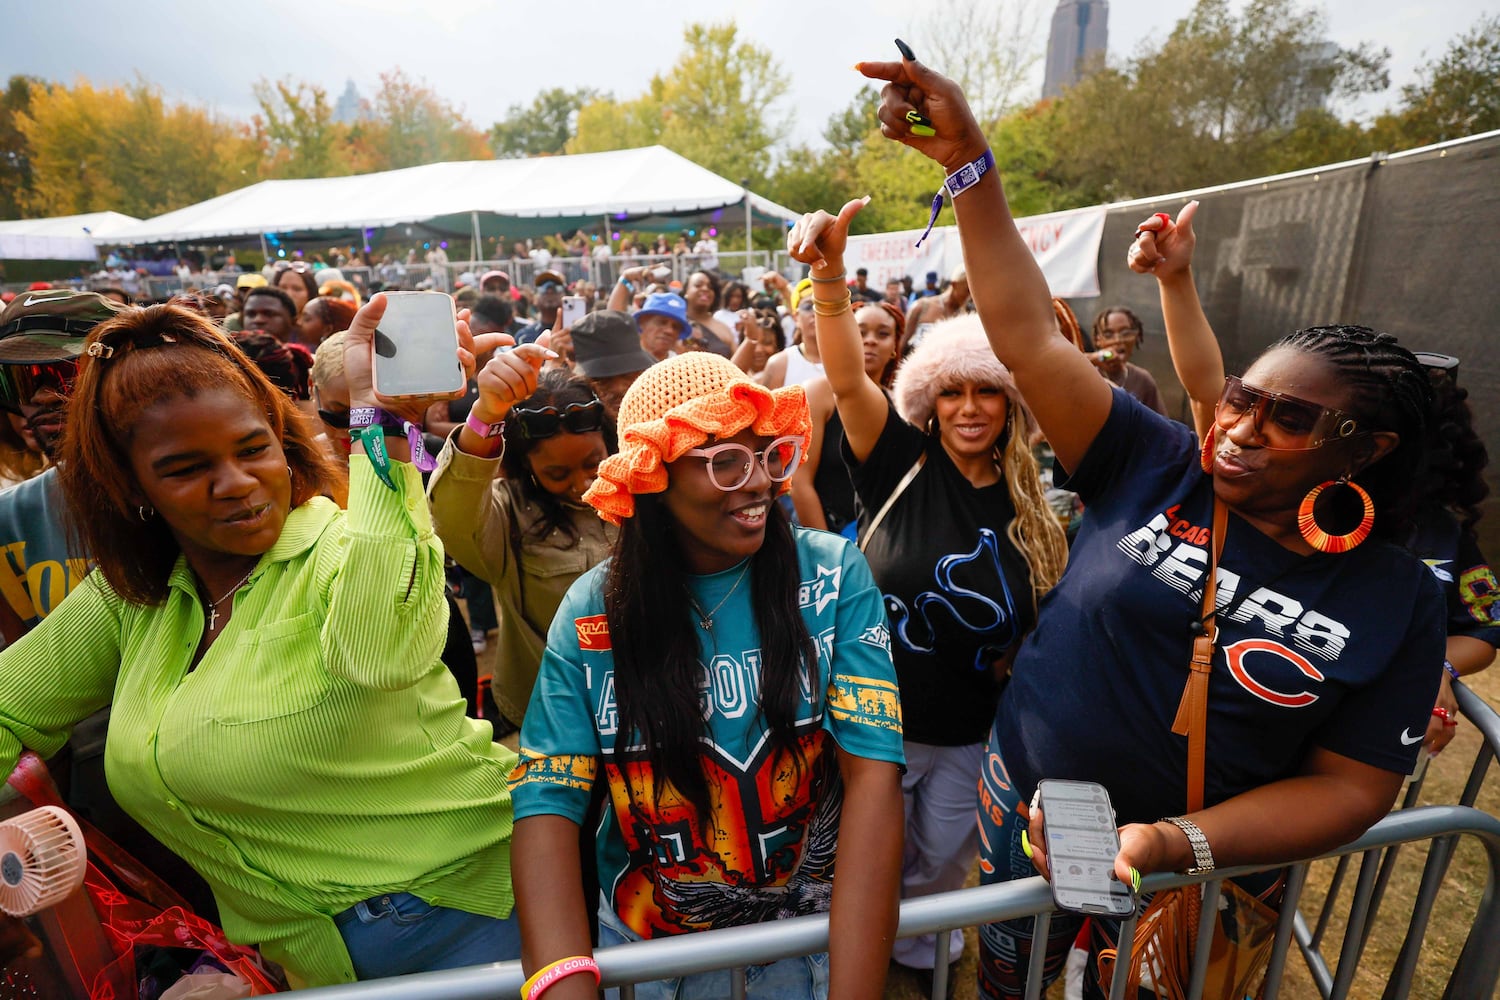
[{"x": 373, "y": 438}]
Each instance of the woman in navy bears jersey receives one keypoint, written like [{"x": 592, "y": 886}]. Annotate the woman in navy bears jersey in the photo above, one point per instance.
[
  {"x": 1329, "y": 638},
  {"x": 727, "y": 680}
]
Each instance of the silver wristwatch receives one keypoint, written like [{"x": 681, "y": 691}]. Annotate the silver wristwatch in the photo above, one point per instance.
[{"x": 1203, "y": 858}]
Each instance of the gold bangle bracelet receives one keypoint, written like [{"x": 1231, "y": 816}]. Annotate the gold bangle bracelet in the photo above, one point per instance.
[
  {"x": 838, "y": 279},
  {"x": 835, "y": 308}
]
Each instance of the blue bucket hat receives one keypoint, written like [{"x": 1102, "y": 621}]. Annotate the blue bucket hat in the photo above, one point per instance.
[{"x": 668, "y": 304}]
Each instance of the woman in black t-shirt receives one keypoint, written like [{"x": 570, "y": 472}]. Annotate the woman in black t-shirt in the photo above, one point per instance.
[{"x": 958, "y": 533}]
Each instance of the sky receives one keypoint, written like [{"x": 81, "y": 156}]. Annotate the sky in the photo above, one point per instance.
[{"x": 484, "y": 57}]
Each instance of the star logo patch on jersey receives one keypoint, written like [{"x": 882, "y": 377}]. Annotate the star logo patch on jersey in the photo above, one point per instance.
[{"x": 821, "y": 591}]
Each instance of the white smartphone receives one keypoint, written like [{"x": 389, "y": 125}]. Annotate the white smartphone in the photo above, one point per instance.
[
  {"x": 1082, "y": 843},
  {"x": 416, "y": 347},
  {"x": 573, "y": 308},
  {"x": 754, "y": 278},
  {"x": 661, "y": 273}
]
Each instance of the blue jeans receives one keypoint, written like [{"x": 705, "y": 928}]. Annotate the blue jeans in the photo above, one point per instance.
[
  {"x": 804, "y": 978},
  {"x": 397, "y": 934}
]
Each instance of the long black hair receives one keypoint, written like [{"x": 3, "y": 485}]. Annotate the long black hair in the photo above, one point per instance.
[
  {"x": 1391, "y": 392},
  {"x": 1457, "y": 457},
  {"x": 655, "y": 642},
  {"x": 554, "y": 387}
]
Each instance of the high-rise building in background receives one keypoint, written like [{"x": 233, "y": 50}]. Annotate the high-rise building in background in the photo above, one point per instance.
[
  {"x": 1080, "y": 32},
  {"x": 350, "y": 106}
]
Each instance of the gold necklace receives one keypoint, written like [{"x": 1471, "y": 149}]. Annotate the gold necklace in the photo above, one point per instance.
[
  {"x": 706, "y": 621},
  {"x": 213, "y": 608}
]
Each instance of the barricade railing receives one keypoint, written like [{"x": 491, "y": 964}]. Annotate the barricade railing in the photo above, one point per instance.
[
  {"x": 1474, "y": 975},
  {"x": 1376, "y": 868}
]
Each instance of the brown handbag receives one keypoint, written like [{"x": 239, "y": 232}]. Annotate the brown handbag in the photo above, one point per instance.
[{"x": 1166, "y": 935}]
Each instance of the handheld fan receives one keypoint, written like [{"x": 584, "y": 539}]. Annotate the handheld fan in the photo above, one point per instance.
[{"x": 42, "y": 860}]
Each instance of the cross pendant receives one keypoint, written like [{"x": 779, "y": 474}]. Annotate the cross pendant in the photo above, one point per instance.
[{"x": 213, "y": 619}]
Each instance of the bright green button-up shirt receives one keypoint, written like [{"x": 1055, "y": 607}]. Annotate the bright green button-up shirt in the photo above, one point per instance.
[{"x": 319, "y": 753}]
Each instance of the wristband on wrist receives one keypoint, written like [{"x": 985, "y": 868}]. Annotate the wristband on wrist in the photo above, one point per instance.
[
  {"x": 837, "y": 279},
  {"x": 1203, "y": 857},
  {"x": 369, "y": 422},
  {"x": 956, "y": 184},
  {"x": 547, "y": 975},
  {"x": 1452, "y": 670},
  {"x": 484, "y": 430}
]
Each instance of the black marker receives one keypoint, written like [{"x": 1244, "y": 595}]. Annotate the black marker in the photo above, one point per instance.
[{"x": 906, "y": 52}]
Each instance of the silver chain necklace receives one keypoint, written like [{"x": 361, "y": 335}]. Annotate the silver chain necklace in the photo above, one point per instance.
[
  {"x": 213, "y": 608},
  {"x": 706, "y": 621}
]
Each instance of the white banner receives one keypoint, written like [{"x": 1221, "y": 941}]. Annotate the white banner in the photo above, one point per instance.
[{"x": 1065, "y": 244}]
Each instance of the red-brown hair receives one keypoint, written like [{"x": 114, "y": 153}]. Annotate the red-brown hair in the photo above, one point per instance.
[{"x": 146, "y": 357}]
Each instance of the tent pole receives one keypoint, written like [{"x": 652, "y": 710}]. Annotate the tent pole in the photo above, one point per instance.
[
  {"x": 475, "y": 246},
  {"x": 748, "y": 246},
  {"x": 265, "y": 251}
]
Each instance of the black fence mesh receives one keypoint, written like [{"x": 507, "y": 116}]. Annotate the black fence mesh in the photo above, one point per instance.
[{"x": 1410, "y": 246}]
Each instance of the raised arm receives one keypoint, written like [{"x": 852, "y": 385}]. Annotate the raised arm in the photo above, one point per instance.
[
  {"x": 1069, "y": 399},
  {"x": 818, "y": 240},
  {"x": 1164, "y": 249}
]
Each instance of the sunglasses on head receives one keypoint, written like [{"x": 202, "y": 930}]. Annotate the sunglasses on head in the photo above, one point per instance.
[
  {"x": 1289, "y": 423},
  {"x": 549, "y": 286},
  {"x": 19, "y": 383},
  {"x": 547, "y": 421}
]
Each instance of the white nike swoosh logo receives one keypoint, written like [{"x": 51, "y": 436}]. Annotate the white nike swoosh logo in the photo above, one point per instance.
[{"x": 1409, "y": 740}]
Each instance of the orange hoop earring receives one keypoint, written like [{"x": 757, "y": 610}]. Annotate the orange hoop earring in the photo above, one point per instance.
[
  {"x": 1206, "y": 457},
  {"x": 1321, "y": 540}
]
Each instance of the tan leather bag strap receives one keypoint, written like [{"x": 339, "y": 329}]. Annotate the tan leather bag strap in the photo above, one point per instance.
[
  {"x": 1192, "y": 711},
  {"x": 890, "y": 501}
]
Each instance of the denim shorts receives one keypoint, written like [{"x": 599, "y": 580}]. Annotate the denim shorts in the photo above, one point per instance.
[
  {"x": 398, "y": 933},
  {"x": 803, "y": 978}
]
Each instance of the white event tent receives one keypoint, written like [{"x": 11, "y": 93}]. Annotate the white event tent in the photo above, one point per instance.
[
  {"x": 646, "y": 188},
  {"x": 62, "y": 237}
]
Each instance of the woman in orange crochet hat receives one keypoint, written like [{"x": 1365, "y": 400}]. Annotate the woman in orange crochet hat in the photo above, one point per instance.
[{"x": 727, "y": 679}]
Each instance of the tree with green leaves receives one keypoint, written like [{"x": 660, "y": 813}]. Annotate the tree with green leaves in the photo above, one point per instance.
[
  {"x": 1455, "y": 95},
  {"x": 297, "y": 132},
  {"x": 412, "y": 125},
  {"x": 1218, "y": 101},
  {"x": 719, "y": 106},
  {"x": 541, "y": 128}
]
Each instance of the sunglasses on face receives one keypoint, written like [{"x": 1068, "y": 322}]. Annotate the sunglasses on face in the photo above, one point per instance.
[
  {"x": 1117, "y": 336},
  {"x": 550, "y": 286},
  {"x": 1292, "y": 424},
  {"x": 338, "y": 419},
  {"x": 730, "y": 465},
  {"x": 548, "y": 421},
  {"x": 19, "y": 383}
]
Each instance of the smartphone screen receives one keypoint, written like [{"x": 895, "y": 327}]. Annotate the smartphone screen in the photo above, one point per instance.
[
  {"x": 416, "y": 346},
  {"x": 754, "y": 278},
  {"x": 661, "y": 273},
  {"x": 1082, "y": 842},
  {"x": 573, "y": 309}
]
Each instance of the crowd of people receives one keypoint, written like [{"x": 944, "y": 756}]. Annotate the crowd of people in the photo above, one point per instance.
[{"x": 777, "y": 583}]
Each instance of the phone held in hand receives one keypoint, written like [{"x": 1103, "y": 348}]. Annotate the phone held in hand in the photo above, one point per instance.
[
  {"x": 573, "y": 309},
  {"x": 416, "y": 347},
  {"x": 661, "y": 274},
  {"x": 1082, "y": 843}
]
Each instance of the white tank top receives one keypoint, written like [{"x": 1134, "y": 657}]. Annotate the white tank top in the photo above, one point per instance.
[{"x": 798, "y": 369}]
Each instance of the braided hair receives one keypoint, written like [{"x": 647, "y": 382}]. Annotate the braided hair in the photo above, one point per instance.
[
  {"x": 1391, "y": 392},
  {"x": 1456, "y": 456}
]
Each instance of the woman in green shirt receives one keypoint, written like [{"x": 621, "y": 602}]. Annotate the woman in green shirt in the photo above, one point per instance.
[{"x": 280, "y": 715}]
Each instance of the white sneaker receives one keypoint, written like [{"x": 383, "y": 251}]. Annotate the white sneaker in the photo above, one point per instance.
[{"x": 477, "y": 638}]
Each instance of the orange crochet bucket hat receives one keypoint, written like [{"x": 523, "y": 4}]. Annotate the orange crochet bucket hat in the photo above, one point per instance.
[{"x": 678, "y": 404}]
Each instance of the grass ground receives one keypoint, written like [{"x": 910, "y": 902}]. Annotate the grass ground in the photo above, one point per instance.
[{"x": 1452, "y": 916}]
